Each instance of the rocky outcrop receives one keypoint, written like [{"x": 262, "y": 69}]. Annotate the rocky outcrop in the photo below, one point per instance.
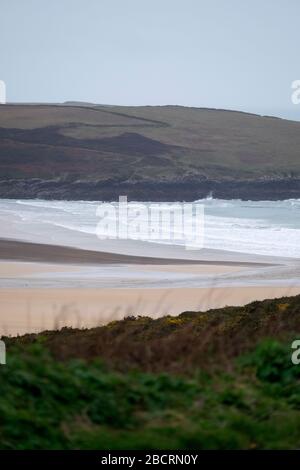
[{"x": 267, "y": 189}]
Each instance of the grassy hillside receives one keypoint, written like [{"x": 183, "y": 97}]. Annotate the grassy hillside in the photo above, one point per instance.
[
  {"x": 72, "y": 145},
  {"x": 221, "y": 379}
]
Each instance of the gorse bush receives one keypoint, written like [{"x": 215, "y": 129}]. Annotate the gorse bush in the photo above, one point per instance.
[
  {"x": 46, "y": 404},
  {"x": 217, "y": 380},
  {"x": 40, "y": 398},
  {"x": 272, "y": 362}
]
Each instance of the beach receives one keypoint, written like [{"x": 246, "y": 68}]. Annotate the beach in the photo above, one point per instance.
[
  {"x": 52, "y": 276},
  {"x": 35, "y": 310},
  {"x": 46, "y": 287}
]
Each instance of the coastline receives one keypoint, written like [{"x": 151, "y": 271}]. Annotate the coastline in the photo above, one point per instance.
[
  {"x": 46, "y": 286},
  {"x": 35, "y": 310},
  {"x": 17, "y": 250},
  {"x": 263, "y": 188}
]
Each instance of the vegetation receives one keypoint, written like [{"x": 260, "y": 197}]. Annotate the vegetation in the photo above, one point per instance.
[
  {"x": 216, "y": 380},
  {"x": 76, "y": 151}
]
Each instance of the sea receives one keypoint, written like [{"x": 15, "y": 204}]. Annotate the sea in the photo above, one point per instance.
[{"x": 256, "y": 227}]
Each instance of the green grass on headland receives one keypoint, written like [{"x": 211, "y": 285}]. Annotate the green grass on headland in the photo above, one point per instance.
[
  {"x": 150, "y": 153},
  {"x": 217, "y": 380}
]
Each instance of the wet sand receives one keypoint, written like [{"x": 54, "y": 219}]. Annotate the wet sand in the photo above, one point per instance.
[
  {"x": 45, "y": 286},
  {"x": 14, "y": 250}
]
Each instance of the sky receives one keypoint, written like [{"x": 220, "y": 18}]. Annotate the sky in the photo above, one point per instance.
[{"x": 229, "y": 54}]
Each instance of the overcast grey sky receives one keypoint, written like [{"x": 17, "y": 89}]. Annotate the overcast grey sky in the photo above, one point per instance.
[{"x": 233, "y": 54}]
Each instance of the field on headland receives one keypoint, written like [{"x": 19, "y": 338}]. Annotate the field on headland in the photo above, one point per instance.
[{"x": 78, "y": 151}]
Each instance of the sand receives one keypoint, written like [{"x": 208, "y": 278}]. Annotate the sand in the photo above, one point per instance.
[
  {"x": 15, "y": 250},
  {"x": 16, "y": 269},
  {"x": 50, "y": 286},
  {"x": 33, "y": 310}
]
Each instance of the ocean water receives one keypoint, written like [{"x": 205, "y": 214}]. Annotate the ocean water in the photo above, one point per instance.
[{"x": 260, "y": 227}]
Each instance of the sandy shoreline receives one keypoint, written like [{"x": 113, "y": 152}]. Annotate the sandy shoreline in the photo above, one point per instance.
[
  {"x": 33, "y": 270},
  {"x": 15, "y": 250},
  {"x": 51, "y": 286},
  {"x": 33, "y": 310}
]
